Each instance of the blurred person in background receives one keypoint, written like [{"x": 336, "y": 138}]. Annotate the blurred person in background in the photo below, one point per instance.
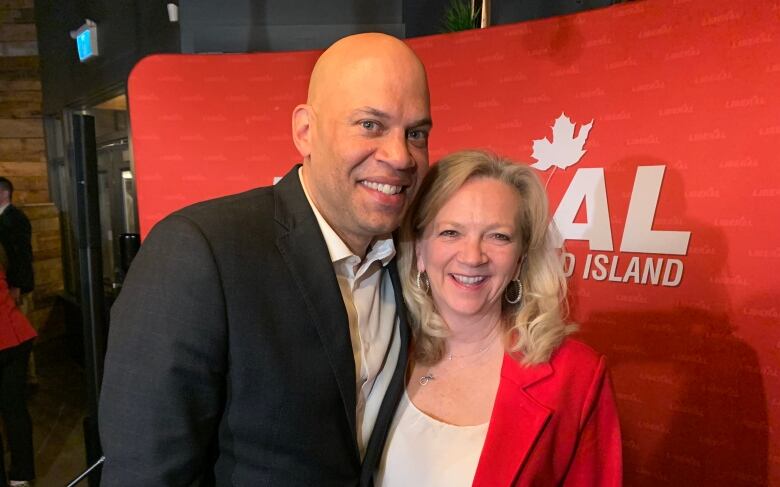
[
  {"x": 16, "y": 340},
  {"x": 16, "y": 238}
]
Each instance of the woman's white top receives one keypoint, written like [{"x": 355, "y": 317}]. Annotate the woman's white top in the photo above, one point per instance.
[{"x": 423, "y": 451}]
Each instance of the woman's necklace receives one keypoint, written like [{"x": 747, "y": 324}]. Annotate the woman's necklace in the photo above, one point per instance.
[{"x": 425, "y": 379}]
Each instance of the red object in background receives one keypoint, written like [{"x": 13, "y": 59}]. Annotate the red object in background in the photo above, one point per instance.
[
  {"x": 15, "y": 328},
  {"x": 689, "y": 87}
]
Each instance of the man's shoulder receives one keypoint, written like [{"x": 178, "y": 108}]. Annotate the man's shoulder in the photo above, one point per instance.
[
  {"x": 263, "y": 204},
  {"x": 260, "y": 199},
  {"x": 14, "y": 219},
  {"x": 243, "y": 219},
  {"x": 254, "y": 214},
  {"x": 257, "y": 200},
  {"x": 14, "y": 213},
  {"x": 219, "y": 216}
]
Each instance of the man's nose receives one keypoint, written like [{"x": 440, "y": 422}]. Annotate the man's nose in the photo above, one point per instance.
[{"x": 394, "y": 150}]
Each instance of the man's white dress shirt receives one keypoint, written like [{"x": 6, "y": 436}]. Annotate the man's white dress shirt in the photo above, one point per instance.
[{"x": 368, "y": 296}]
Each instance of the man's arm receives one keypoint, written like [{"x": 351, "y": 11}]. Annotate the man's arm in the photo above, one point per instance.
[{"x": 164, "y": 382}]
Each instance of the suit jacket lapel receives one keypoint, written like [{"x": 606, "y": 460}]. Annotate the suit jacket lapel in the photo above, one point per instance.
[
  {"x": 516, "y": 423},
  {"x": 305, "y": 253},
  {"x": 376, "y": 443}
]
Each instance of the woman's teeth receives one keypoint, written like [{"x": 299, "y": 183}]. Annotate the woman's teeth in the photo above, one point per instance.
[{"x": 468, "y": 279}]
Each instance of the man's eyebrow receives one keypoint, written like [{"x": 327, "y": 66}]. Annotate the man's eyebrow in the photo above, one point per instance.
[
  {"x": 375, "y": 112},
  {"x": 423, "y": 122}
]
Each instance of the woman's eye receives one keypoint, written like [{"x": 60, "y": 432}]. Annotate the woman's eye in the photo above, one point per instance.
[
  {"x": 369, "y": 125},
  {"x": 502, "y": 236},
  {"x": 448, "y": 233}
]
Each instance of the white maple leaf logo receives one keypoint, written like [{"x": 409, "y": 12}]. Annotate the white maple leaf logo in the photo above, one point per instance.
[{"x": 565, "y": 149}]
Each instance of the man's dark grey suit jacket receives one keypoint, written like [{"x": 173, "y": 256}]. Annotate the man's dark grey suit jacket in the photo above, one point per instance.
[{"x": 229, "y": 353}]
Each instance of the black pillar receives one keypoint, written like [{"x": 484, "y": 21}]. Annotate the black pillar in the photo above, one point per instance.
[{"x": 90, "y": 264}]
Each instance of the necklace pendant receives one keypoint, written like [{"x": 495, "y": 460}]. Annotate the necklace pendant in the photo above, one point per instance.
[{"x": 426, "y": 378}]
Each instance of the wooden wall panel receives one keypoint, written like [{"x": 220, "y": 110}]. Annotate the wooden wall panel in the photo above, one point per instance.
[{"x": 22, "y": 150}]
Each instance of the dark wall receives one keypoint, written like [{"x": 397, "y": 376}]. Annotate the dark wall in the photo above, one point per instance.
[
  {"x": 424, "y": 17},
  {"x": 511, "y": 11},
  {"x": 132, "y": 29},
  {"x": 127, "y": 31},
  {"x": 281, "y": 25}
]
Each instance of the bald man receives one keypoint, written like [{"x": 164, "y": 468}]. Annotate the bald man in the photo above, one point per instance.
[{"x": 260, "y": 338}]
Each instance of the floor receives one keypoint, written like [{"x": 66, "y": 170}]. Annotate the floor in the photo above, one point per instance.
[{"x": 57, "y": 406}]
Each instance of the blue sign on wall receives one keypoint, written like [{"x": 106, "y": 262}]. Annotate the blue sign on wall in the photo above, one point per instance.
[{"x": 86, "y": 41}]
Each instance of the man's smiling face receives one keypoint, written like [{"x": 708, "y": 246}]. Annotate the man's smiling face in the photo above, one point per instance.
[{"x": 368, "y": 144}]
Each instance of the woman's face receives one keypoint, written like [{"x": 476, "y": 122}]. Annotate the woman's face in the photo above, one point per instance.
[{"x": 471, "y": 250}]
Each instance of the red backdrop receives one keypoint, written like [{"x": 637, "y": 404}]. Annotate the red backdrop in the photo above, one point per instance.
[{"x": 680, "y": 291}]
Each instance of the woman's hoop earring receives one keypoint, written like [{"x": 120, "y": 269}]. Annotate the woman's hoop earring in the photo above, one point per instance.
[
  {"x": 422, "y": 282},
  {"x": 514, "y": 296}
]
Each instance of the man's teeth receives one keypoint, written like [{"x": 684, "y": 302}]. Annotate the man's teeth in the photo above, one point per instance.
[
  {"x": 384, "y": 188},
  {"x": 468, "y": 279}
]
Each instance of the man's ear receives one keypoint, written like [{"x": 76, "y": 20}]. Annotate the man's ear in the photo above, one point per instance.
[{"x": 301, "y": 129}]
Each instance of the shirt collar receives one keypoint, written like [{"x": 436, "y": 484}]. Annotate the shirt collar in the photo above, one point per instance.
[
  {"x": 382, "y": 248},
  {"x": 3, "y": 207}
]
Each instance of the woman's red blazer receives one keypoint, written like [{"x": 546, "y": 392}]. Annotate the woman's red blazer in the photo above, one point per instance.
[{"x": 553, "y": 424}]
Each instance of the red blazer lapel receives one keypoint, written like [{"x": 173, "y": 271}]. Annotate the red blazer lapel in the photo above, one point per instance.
[{"x": 516, "y": 423}]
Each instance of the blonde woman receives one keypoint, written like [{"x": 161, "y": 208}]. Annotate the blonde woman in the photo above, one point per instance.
[
  {"x": 497, "y": 395},
  {"x": 16, "y": 339}
]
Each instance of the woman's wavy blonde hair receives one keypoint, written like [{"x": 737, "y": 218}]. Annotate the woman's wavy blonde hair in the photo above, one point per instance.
[{"x": 535, "y": 326}]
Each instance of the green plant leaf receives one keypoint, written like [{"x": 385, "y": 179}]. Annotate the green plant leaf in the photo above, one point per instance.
[{"x": 458, "y": 16}]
